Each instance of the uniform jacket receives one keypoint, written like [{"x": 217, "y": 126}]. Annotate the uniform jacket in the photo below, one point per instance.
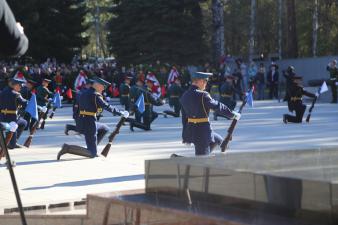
[
  {"x": 10, "y": 100},
  {"x": 294, "y": 96},
  {"x": 42, "y": 95}
]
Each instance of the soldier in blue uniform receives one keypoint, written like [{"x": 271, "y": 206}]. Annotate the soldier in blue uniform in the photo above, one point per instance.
[
  {"x": 10, "y": 101},
  {"x": 71, "y": 127},
  {"x": 175, "y": 92},
  {"x": 149, "y": 115},
  {"x": 294, "y": 97},
  {"x": 196, "y": 105},
  {"x": 89, "y": 102},
  {"x": 125, "y": 92}
]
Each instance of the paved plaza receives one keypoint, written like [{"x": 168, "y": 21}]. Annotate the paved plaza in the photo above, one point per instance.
[{"x": 43, "y": 180}]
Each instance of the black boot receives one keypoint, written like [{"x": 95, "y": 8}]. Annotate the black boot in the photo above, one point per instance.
[
  {"x": 69, "y": 127},
  {"x": 285, "y": 120},
  {"x": 75, "y": 150}
]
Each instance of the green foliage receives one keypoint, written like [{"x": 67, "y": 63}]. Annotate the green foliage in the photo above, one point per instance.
[
  {"x": 146, "y": 31},
  {"x": 54, "y": 28}
]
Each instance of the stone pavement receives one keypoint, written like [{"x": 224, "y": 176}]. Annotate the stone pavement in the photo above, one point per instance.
[{"x": 43, "y": 180}]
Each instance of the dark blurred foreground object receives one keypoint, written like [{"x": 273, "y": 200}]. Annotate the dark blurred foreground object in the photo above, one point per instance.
[{"x": 13, "y": 42}]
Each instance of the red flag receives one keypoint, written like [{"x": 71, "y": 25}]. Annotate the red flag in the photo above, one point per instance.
[
  {"x": 116, "y": 92},
  {"x": 57, "y": 89},
  {"x": 69, "y": 93},
  {"x": 163, "y": 90}
]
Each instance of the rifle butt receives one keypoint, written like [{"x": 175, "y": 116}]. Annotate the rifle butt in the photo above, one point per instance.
[
  {"x": 308, "y": 118},
  {"x": 106, "y": 149},
  {"x": 28, "y": 142}
]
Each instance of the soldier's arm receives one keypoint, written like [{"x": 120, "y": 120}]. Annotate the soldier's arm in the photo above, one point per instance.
[
  {"x": 210, "y": 103},
  {"x": 153, "y": 100},
  {"x": 101, "y": 103},
  {"x": 20, "y": 100},
  {"x": 309, "y": 94}
]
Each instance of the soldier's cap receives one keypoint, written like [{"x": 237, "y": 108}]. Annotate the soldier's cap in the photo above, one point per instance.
[
  {"x": 101, "y": 81},
  {"x": 31, "y": 81},
  {"x": 17, "y": 81},
  {"x": 47, "y": 80},
  {"x": 201, "y": 75},
  {"x": 296, "y": 77}
]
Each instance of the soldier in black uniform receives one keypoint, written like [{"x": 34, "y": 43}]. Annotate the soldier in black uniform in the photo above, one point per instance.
[
  {"x": 295, "y": 93},
  {"x": 10, "y": 101},
  {"x": 227, "y": 92},
  {"x": 196, "y": 105},
  {"x": 149, "y": 115},
  {"x": 125, "y": 92},
  {"x": 89, "y": 102},
  {"x": 175, "y": 92},
  {"x": 333, "y": 70},
  {"x": 43, "y": 95}
]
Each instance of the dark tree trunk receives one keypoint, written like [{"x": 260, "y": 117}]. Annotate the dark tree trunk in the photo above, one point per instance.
[{"x": 292, "y": 43}]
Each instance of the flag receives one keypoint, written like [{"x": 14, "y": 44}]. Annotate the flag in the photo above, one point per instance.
[
  {"x": 69, "y": 93},
  {"x": 249, "y": 98},
  {"x": 31, "y": 107},
  {"x": 323, "y": 88},
  {"x": 140, "y": 104},
  {"x": 57, "y": 100}
]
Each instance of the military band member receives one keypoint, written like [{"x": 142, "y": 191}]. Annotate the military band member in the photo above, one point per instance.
[
  {"x": 89, "y": 102},
  {"x": 227, "y": 92},
  {"x": 333, "y": 70},
  {"x": 196, "y": 105},
  {"x": 149, "y": 115},
  {"x": 175, "y": 92},
  {"x": 10, "y": 101},
  {"x": 125, "y": 92},
  {"x": 294, "y": 97}
]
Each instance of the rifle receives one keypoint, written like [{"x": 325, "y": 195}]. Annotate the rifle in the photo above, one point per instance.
[
  {"x": 33, "y": 130},
  {"x": 312, "y": 106},
  {"x": 106, "y": 149},
  {"x": 7, "y": 140},
  {"x": 42, "y": 126},
  {"x": 231, "y": 129}
]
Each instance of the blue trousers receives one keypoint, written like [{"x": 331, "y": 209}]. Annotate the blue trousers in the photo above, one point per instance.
[
  {"x": 21, "y": 126},
  {"x": 206, "y": 150}
]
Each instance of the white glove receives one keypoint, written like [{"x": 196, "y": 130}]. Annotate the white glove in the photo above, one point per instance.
[
  {"x": 237, "y": 115},
  {"x": 61, "y": 98},
  {"x": 13, "y": 126},
  {"x": 125, "y": 114},
  {"x": 107, "y": 99},
  {"x": 50, "y": 99},
  {"x": 5, "y": 126},
  {"x": 317, "y": 94}
]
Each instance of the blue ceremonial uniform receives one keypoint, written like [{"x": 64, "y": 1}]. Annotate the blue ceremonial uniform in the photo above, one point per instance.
[
  {"x": 89, "y": 103},
  {"x": 10, "y": 100},
  {"x": 196, "y": 105}
]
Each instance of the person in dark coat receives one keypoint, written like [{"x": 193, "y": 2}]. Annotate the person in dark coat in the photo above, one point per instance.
[
  {"x": 196, "y": 105},
  {"x": 295, "y": 103},
  {"x": 10, "y": 101},
  {"x": 13, "y": 41},
  {"x": 43, "y": 95},
  {"x": 125, "y": 92},
  {"x": 89, "y": 102},
  {"x": 272, "y": 81},
  {"x": 26, "y": 93},
  {"x": 175, "y": 92},
  {"x": 333, "y": 70}
]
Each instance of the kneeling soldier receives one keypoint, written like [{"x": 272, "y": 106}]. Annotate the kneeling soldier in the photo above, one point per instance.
[{"x": 89, "y": 102}]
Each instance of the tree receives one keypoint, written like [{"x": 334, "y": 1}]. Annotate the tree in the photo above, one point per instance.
[
  {"x": 146, "y": 31},
  {"x": 218, "y": 29},
  {"x": 54, "y": 28},
  {"x": 292, "y": 41}
]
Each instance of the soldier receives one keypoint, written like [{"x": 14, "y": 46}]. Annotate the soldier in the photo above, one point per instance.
[
  {"x": 10, "y": 101},
  {"x": 295, "y": 103},
  {"x": 227, "y": 92},
  {"x": 175, "y": 92},
  {"x": 89, "y": 102},
  {"x": 43, "y": 95},
  {"x": 149, "y": 115},
  {"x": 125, "y": 92},
  {"x": 196, "y": 105},
  {"x": 333, "y": 70},
  {"x": 134, "y": 94},
  {"x": 26, "y": 93},
  {"x": 71, "y": 127}
]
